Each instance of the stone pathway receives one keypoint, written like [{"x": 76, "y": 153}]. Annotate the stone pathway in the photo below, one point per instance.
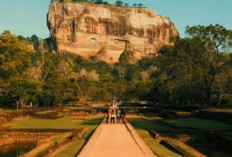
[{"x": 112, "y": 140}]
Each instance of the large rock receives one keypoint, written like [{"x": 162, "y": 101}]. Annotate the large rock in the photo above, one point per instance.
[{"x": 85, "y": 28}]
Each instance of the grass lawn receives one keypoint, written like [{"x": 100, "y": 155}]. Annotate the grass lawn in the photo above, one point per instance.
[
  {"x": 61, "y": 123},
  {"x": 62, "y": 137},
  {"x": 141, "y": 126},
  {"x": 145, "y": 124},
  {"x": 74, "y": 147},
  {"x": 90, "y": 121},
  {"x": 197, "y": 123},
  {"x": 189, "y": 150},
  {"x": 157, "y": 148}
]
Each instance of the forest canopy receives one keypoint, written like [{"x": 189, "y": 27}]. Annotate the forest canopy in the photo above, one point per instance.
[{"x": 196, "y": 70}]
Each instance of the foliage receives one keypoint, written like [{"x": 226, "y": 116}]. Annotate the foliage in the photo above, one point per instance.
[
  {"x": 195, "y": 70},
  {"x": 15, "y": 58},
  {"x": 199, "y": 67},
  {"x": 127, "y": 57},
  {"x": 34, "y": 39},
  {"x": 118, "y": 3}
]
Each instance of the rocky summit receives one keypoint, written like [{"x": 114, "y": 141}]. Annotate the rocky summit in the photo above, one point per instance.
[{"x": 87, "y": 28}]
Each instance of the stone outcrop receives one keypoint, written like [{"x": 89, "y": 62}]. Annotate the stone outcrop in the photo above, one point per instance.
[{"x": 86, "y": 28}]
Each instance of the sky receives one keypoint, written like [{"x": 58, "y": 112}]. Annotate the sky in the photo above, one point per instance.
[{"x": 28, "y": 17}]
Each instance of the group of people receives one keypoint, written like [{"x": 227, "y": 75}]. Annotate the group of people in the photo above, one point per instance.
[{"x": 115, "y": 114}]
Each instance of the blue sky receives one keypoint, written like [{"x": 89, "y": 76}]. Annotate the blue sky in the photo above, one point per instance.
[{"x": 28, "y": 17}]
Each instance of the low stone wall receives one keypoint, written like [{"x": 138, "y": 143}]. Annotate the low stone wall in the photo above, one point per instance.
[
  {"x": 52, "y": 148},
  {"x": 40, "y": 148}
]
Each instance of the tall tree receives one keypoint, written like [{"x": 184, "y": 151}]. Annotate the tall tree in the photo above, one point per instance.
[
  {"x": 197, "y": 64},
  {"x": 119, "y": 3},
  {"x": 214, "y": 58},
  {"x": 15, "y": 59}
]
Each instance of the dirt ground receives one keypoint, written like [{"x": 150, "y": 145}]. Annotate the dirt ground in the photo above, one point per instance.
[{"x": 113, "y": 140}]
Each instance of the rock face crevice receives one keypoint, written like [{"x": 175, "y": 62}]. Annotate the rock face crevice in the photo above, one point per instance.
[{"x": 85, "y": 28}]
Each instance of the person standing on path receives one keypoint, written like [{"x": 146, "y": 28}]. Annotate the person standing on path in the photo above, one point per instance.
[
  {"x": 113, "y": 115},
  {"x": 123, "y": 116},
  {"x": 118, "y": 115},
  {"x": 107, "y": 116}
]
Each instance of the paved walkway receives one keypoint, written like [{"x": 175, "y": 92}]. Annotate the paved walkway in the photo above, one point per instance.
[{"x": 112, "y": 140}]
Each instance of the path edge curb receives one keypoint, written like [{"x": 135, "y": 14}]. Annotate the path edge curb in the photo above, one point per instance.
[{"x": 139, "y": 141}]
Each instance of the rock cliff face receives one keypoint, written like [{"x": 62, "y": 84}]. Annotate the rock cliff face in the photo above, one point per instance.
[{"x": 86, "y": 28}]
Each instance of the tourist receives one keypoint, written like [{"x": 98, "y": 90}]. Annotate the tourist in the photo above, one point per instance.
[
  {"x": 118, "y": 115},
  {"x": 123, "y": 116},
  {"x": 108, "y": 113},
  {"x": 113, "y": 116}
]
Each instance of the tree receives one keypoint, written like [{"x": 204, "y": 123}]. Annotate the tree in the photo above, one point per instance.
[
  {"x": 140, "y": 5},
  {"x": 216, "y": 46},
  {"x": 197, "y": 64},
  {"x": 15, "y": 60},
  {"x": 23, "y": 92},
  {"x": 126, "y": 4},
  {"x": 34, "y": 38},
  {"x": 127, "y": 57},
  {"x": 119, "y": 3},
  {"x": 86, "y": 83},
  {"x": 99, "y": 2}
]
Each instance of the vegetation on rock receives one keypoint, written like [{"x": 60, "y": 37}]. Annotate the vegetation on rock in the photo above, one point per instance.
[{"x": 118, "y": 3}]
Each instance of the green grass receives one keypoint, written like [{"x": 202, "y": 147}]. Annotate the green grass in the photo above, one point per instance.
[
  {"x": 141, "y": 126},
  {"x": 61, "y": 123},
  {"x": 71, "y": 122},
  {"x": 62, "y": 137},
  {"x": 198, "y": 123},
  {"x": 157, "y": 148},
  {"x": 73, "y": 148},
  {"x": 44, "y": 151},
  {"x": 145, "y": 124},
  {"x": 189, "y": 150}
]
